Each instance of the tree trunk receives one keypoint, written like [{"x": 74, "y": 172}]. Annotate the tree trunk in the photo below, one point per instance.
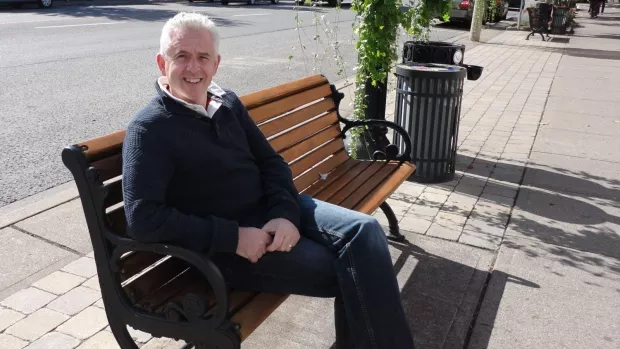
[{"x": 476, "y": 21}]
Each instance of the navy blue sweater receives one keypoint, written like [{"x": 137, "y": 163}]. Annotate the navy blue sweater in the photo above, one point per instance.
[{"x": 191, "y": 181}]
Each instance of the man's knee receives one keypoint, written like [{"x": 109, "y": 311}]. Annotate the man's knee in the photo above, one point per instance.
[{"x": 369, "y": 228}]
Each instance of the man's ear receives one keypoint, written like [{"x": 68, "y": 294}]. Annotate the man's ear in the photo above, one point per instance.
[
  {"x": 217, "y": 63},
  {"x": 161, "y": 64}
]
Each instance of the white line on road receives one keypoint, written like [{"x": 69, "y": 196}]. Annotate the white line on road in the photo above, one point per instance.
[
  {"x": 78, "y": 25},
  {"x": 253, "y": 14}
]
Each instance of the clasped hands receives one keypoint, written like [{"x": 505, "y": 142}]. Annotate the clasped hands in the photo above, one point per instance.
[{"x": 278, "y": 234}]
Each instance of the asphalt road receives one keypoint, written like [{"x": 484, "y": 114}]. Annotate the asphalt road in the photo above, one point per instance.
[{"x": 76, "y": 72}]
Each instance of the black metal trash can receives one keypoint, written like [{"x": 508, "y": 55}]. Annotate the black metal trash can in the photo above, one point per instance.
[
  {"x": 433, "y": 52},
  {"x": 428, "y": 106}
]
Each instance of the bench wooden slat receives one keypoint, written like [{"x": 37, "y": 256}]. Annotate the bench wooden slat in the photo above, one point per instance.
[
  {"x": 305, "y": 180},
  {"x": 99, "y": 148},
  {"x": 254, "y": 313},
  {"x": 311, "y": 143},
  {"x": 332, "y": 176},
  {"x": 316, "y": 156},
  {"x": 295, "y": 118},
  {"x": 108, "y": 167},
  {"x": 151, "y": 280},
  {"x": 342, "y": 179},
  {"x": 259, "y": 98},
  {"x": 385, "y": 189},
  {"x": 296, "y": 135},
  {"x": 135, "y": 262},
  {"x": 116, "y": 222},
  {"x": 373, "y": 182},
  {"x": 285, "y": 105},
  {"x": 355, "y": 183},
  {"x": 115, "y": 193}
]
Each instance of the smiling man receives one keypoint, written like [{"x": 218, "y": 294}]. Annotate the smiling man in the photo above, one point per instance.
[{"x": 198, "y": 173}]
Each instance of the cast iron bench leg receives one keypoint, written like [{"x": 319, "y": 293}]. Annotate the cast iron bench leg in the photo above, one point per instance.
[
  {"x": 394, "y": 234},
  {"x": 121, "y": 334}
]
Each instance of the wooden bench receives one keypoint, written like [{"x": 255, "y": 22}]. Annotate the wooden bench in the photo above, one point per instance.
[{"x": 172, "y": 292}]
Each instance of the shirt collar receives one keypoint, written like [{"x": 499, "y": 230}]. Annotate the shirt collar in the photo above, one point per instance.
[{"x": 214, "y": 103}]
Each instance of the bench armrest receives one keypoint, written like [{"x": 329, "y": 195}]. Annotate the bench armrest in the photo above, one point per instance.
[
  {"x": 391, "y": 151},
  {"x": 193, "y": 307}
]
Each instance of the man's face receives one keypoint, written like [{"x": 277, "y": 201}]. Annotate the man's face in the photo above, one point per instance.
[{"x": 190, "y": 64}]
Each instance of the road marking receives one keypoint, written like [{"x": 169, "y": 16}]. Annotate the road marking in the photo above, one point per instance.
[
  {"x": 77, "y": 25},
  {"x": 253, "y": 14}
]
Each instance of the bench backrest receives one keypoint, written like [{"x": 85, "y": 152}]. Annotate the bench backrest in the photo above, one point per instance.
[{"x": 299, "y": 118}]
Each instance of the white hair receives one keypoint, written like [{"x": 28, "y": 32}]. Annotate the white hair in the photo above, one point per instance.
[{"x": 187, "y": 20}]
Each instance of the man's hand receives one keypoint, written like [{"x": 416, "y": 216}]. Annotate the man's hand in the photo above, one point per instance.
[
  {"x": 285, "y": 234},
  {"x": 252, "y": 243}
]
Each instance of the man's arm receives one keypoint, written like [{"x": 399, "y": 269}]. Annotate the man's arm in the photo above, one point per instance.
[
  {"x": 275, "y": 174},
  {"x": 147, "y": 169}
]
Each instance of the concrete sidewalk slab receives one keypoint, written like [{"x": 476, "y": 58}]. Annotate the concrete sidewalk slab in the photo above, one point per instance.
[
  {"x": 588, "y": 123},
  {"x": 536, "y": 298},
  {"x": 64, "y": 225},
  {"x": 26, "y": 257},
  {"x": 568, "y": 220},
  {"x": 565, "y": 173},
  {"x": 578, "y": 144}
]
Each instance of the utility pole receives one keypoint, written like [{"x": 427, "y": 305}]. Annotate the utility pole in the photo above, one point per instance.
[{"x": 476, "y": 21}]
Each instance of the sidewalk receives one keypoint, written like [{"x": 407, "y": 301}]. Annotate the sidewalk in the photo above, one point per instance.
[{"x": 520, "y": 250}]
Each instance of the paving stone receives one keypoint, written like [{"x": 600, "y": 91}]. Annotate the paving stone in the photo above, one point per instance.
[
  {"x": 99, "y": 304},
  {"x": 138, "y": 335},
  {"x": 445, "y": 232},
  {"x": 55, "y": 340},
  {"x": 91, "y": 254},
  {"x": 84, "y": 267},
  {"x": 28, "y": 301},
  {"x": 479, "y": 239},
  {"x": 422, "y": 210},
  {"x": 486, "y": 224},
  {"x": 10, "y": 342},
  {"x": 85, "y": 324},
  {"x": 431, "y": 199},
  {"x": 59, "y": 282},
  {"x": 75, "y": 300},
  {"x": 418, "y": 225},
  {"x": 37, "y": 324},
  {"x": 501, "y": 200},
  {"x": 8, "y": 317},
  {"x": 450, "y": 219},
  {"x": 92, "y": 283},
  {"x": 504, "y": 190},
  {"x": 163, "y": 343},
  {"x": 101, "y": 340}
]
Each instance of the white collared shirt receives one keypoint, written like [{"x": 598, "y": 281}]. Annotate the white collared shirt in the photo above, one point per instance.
[{"x": 214, "y": 103}]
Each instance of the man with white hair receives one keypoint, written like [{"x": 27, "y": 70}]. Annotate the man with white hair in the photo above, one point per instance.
[{"x": 198, "y": 173}]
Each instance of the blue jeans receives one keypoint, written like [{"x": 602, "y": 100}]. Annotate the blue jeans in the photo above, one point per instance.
[{"x": 342, "y": 254}]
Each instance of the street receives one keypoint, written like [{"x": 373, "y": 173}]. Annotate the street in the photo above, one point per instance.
[{"x": 71, "y": 73}]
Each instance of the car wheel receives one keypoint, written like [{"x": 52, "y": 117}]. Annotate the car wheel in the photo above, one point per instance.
[
  {"x": 334, "y": 3},
  {"x": 275, "y": 1},
  {"x": 45, "y": 3},
  {"x": 224, "y": 2}
]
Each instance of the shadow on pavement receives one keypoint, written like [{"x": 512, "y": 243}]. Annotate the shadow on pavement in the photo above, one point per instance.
[
  {"x": 556, "y": 206},
  {"x": 441, "y": 296}
]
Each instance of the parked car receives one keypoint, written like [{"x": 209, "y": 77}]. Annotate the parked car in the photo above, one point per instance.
[
  {"x": 249, "y": 2},
  {"x": 463, "y": 10},
  {"x": 19, "y": 3}
]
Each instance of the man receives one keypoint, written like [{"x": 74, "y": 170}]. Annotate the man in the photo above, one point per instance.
[{"x": 198, "y": 173}]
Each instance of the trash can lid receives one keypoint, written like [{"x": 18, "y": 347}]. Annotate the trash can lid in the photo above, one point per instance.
[{"x": 429, "y": 69}]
